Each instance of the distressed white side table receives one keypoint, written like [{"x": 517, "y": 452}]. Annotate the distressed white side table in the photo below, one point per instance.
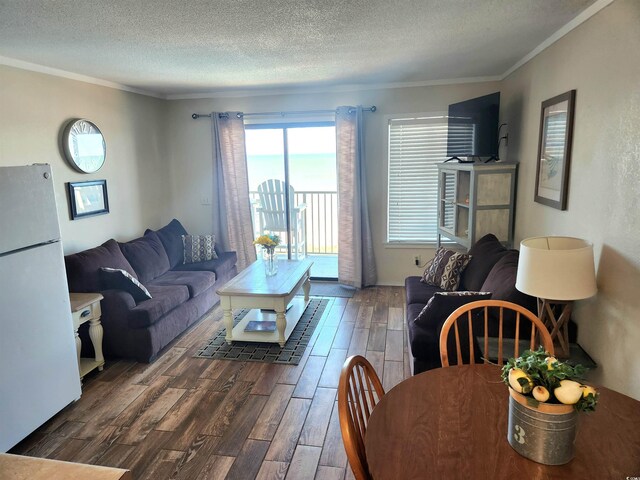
[{"x": 85, "y": 307}]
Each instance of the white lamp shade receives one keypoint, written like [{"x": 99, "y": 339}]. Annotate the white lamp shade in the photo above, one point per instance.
[{"x": 556, "y": 268}]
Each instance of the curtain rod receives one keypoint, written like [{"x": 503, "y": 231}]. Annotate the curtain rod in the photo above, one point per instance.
[{"x": 196, "y": 116}]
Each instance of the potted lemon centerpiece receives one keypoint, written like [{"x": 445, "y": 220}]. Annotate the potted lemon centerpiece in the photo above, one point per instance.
[{"x": 545, "y": 396}]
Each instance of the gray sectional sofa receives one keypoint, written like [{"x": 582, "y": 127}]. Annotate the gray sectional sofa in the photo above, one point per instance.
[{"x": 181, "y": 293}]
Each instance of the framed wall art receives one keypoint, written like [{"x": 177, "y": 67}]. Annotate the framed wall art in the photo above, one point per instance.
[
  {"x": 87, "y": 199},
  {"x": 554, "y": 150}
]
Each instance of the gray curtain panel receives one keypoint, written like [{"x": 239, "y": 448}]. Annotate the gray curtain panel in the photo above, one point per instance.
[
  {"x": 356, "y": 263},
  {"x": 232, "y": 226}
]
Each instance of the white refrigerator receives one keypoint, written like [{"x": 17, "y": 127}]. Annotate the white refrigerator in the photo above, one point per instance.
[{"x": 38, "y": 358}]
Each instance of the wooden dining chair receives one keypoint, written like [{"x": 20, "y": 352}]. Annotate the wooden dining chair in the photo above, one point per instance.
[
  {"x": 359, "y": 391},
  {"x": 462, "y": 321}
]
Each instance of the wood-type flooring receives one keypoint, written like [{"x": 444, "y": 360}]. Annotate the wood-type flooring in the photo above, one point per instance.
[{"x": 187, "y": 418}]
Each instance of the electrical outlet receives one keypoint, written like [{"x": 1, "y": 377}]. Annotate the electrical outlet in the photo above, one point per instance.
[{"x": 416, "y": 260}]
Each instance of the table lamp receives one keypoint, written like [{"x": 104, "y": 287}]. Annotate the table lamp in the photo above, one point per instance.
[{"x": 556, "y": 270}]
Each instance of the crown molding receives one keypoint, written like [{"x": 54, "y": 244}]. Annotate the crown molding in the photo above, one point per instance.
[
  {"x": 585, "y": 15},
  {"x": 56, "y": 72},
  {"x": 328, "y": 89}
]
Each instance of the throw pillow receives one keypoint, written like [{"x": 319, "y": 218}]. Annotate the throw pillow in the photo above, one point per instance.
[
  {"x": 118, "y": 279},
  {"x": 442, "y": 304},
  {"x": 485, "y": 253},
  {"x": 198, "y": 248},
  {"x": 171, "y": 237},
  {"x": 445, "y": 269}
]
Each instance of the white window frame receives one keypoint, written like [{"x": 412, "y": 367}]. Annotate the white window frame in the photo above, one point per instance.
[{"x": 417, "y": 117}]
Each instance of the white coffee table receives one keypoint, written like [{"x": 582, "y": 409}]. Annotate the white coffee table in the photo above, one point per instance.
[{"x": 251, "y": 288}]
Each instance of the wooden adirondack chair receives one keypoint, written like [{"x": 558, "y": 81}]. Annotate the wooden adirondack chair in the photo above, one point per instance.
[{"x": 273, "y": 217}]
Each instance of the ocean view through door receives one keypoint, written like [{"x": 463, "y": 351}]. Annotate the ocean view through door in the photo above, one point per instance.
[{"x": 300, "y": 159}]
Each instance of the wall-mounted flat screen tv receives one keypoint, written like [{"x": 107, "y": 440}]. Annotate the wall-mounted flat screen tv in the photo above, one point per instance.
[{"x": 473, "y": 127}]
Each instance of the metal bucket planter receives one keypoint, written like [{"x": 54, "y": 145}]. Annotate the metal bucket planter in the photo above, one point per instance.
[{"x": 545, "y": 433}]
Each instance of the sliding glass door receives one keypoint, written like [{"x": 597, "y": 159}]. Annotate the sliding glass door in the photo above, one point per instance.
[{"x": 299, "y": 159}]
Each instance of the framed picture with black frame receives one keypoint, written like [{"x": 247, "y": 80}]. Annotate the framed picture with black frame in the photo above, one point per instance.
[
  {"x": 554, "y": 150},
  {"x": 87, "y": 199}
]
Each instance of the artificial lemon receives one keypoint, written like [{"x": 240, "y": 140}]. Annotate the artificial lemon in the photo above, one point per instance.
[
  {"x": 540, "y": 393},
  {"x": 569, "y": 392},
  {"x": 514, "y": 375},
  {"x": 588, "y": 390},
  {"x": 550, "y": 361}
]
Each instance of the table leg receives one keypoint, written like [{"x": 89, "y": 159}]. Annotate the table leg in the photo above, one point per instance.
[
  {"x": 96, "y": 333},
  {"x": 281, "y": 325},
  {"x": 306, "y": 287},
  {"x": 227, "y": 315}
]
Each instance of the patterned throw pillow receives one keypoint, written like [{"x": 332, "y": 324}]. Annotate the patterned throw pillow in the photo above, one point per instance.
[
  {"x": 198, "y": 248},
  {"x": 445, "y": 269},
  {"x": 118, "y": 279}
]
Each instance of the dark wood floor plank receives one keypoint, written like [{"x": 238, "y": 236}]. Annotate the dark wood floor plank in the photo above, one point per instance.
[
  {"x": 240, "y": 427},
  {"x": 335, "y": 314},
  {"x": 291, "y": 374},
  {"x": 365, "y": 313},
  {"x": 329, "y": 473},
  {"x": 343, "y": 335},
  {"x": 380, "y": 313},
  {"x": 272, "y": 470},
  {"x": 266, "y": 383},
  {"x": 228, "y": 376},
  {"x": 107, "y": 411},
  {"x": 69, "y": 450},
  {"x": 325, "y": 339},
  {"x": 216, "y": 468},
  {"x": 227, "y": 410},
  {"x": 139, "y": 429},
  {"x": 394, "y": 349},
  {"x": 183, "y": 408},
  {"x": 193, "y": 424},
  {"x": 332, "y": 368},
  {"x": 393, "y": 374},
  {"x": 286, "y": 437},
  {"x": 304, "y": 463},
  {"x": 315, "y": 426},
  {"x": 189, "y": 377},
  {"x": 162, "y": 465},
  {"x": 377, "y": 337},
  {"x": 116, "y": 456},
  {"x": 157, "y": 368},
  {"x": 98, "y": 445},
  {"x": 197, "y": 456},
  {"x": 306, "y": 386},
  {"x": 143, "y": 455},
  {"x": 267, "y": 423},
  {"x": 248, "y": 463},
  {"x": 358, "y": 345},
  {"x": 333, "y": 454},
  {"x": 143, "y": 402},
  {"x": 351, "y": 311},
  {"x": 376, "y": 359},
  {"x": 52, "y": 441},
  {"x": 396, "y": 319}
]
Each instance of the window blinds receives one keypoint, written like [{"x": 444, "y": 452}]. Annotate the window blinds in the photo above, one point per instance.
[{"x": 416, "y": 147}]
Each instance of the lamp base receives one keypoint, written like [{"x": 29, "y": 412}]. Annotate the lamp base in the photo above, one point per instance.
[{"x": 555, "y": 314}]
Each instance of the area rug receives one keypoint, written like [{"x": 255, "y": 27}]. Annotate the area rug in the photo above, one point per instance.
[
  {"x": 329, "y": 289},
  {"x": 291, "y": 353}
]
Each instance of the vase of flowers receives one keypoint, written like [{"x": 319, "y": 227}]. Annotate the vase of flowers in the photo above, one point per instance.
[
  {"x": 544, "y": 401},
  {"x": 269, "y": 255}
]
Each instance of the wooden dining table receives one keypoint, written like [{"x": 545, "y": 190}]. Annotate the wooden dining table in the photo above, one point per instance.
[{"x": 451, "y": 423}]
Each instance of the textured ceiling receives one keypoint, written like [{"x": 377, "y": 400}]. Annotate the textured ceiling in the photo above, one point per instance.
[{"x": 169, "y": 47}]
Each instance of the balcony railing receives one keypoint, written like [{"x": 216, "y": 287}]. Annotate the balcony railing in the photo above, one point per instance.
[{"x": 321, "y": 219}]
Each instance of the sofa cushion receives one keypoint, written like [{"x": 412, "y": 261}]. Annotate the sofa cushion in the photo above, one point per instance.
[
  {"x": 418, "y": 292},
  {"x": 221, "y": 266},
  {"x": 196, "y": 282},
  {"x": 443, "y": 304},
  {"x": 118, "y": 279},
  {"x": 445, "y": 268},
  {"x": 165, "y": 298},
  {"x": 147, "y": 256},
  {"x": 83, "y": 267},
  {"x": 171, "y": 237},
  {"x": 199, "y": 248},
  {"x": 485, "y": 253},
  {"x": 423, "y": 341},
  {"x": 501, "y": 282}
]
